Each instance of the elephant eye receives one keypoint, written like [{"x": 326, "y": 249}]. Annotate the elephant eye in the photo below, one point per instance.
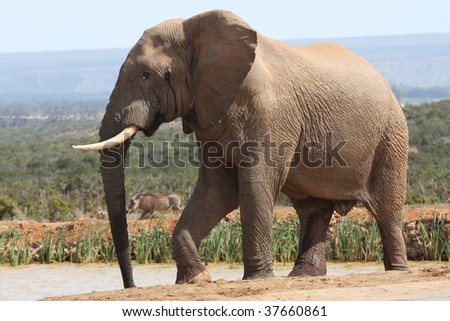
[{"x": 145, "y": 75}]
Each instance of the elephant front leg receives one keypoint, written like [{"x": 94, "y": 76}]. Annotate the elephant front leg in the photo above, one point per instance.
[
  {"x": 314, "y": 215},
  {"x": 257, "y": 242},
  {"x": 257, "y": 198},
  {"x": 214, "y": 197}
]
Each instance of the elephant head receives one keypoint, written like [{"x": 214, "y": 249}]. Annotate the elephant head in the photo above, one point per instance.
[{"x": 180, "y": 68}]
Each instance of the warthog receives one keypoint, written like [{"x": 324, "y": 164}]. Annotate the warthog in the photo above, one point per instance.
[{"x": 149, "y": 203}]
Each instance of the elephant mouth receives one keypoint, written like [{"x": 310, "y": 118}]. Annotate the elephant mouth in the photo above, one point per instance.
[
  {"x": 154, "y": 127},
  {"x": 123, "y": 136}
]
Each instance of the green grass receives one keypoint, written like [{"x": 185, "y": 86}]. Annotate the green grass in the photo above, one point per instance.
[
  {"x": 349, "y": 241},
  {"x": 60, "y": 247},
  {"x": 285, "y": 238},
  {"x": 46, "y": 253},
  {"x": 107, "y": 251},
  {"x": 372, "y": 248},
  {"x": 223, "y": 244},
  {"x": 152, "y": 246},
  {"x": 435, "y": 239},
  {"x": 357, "y": 242},
  {"x": 15, "y": 248},
  {"x": 87, "y": 247}
]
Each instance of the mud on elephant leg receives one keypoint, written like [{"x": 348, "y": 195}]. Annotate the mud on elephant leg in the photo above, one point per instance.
[
  {"x": 206, "y": 207},
  {"x": 314, "y": 215}
]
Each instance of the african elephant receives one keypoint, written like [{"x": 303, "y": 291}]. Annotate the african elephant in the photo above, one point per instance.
[
  {"x": 317, "y": 123},
  {"x": 149, "y": 203}
]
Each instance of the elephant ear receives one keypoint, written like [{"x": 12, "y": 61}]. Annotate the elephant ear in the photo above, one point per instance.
[{"x": 221, "y": 52}]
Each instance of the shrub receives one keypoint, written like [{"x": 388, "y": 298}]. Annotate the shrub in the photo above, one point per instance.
[{"x": 8, "y": 207}]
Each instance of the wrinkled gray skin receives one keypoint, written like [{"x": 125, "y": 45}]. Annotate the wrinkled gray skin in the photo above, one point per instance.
[
  {"x": 232, "y": 84},
  {"x": 149, "y": 203}
]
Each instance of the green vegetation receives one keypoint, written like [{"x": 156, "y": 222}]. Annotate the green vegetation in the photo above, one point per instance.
[
  {"x": 429, "y": 159},
  {"x": 348, "y": 241},
  {"x": 42, "y": 178},
  {"x": 152, "y": 246},
  {"x": 356, "y": 242},
  {"x": 285, "y": 238},
  {"x": 8, "y": 207},
  {"x": 223, "y": 244},
  {"x": 434, "y": 239},
  {"x": 15, "y": 248}
]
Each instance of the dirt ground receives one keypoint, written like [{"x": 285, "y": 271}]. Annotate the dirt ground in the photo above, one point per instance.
[{"x": 419, "y": 283}]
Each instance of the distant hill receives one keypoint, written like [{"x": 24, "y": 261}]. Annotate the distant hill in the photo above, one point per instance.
[
  {"x": 409, "y": 62},
  {"x": 421, "y": 60},
  {"x": 82, "y": 73}
]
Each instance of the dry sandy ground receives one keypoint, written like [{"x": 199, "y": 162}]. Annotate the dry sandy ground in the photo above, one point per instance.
[{"x": 424, "y": 283}]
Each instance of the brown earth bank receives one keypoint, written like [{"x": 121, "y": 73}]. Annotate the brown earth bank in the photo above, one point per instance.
[
  {"x": 73, "y": 229},
  {"x": 418, "y": 284}
]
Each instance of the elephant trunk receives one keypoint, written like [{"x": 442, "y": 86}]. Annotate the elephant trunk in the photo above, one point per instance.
[
  {"x": 112, "y": 171},
  {"x": 115, "y": 135},
  {"x": 113, "y": 185}
]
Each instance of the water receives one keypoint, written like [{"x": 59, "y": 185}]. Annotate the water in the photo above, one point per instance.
[{"x": 37, "y": 281}]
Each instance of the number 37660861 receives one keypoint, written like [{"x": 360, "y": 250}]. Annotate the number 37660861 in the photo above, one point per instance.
[{"x": 299, "y": 311}]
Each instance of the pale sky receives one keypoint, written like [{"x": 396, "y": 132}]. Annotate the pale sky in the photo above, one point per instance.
[{"x": 48, "y": 25}]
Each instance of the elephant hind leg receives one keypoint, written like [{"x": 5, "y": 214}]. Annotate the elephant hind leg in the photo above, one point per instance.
[
  {"x": 390, "y": 225},
  {"x": 387, "y": 190},
  {"x": 394, "y": 257},
  {"x": 314, "y": 215}
]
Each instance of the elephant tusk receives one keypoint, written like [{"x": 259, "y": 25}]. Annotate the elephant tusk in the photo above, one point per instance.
[{"x": 112, "y": 142}]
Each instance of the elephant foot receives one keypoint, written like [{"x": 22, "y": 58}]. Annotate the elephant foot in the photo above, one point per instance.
[
  {"x": 399, "y": 263},
  {"x": 201, "y": 277},
  {"x": 314, "y": 223},
  {"x": 399, "y": 267},
  {"x": 265, "y": 274},
  {"x": 306, "y": 269},
  {"x": 311, "y": 263}
]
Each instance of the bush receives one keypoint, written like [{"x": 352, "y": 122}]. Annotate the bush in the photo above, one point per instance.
[
  {"x": 59, "y": 208},
  {"x": 8, "y": 207}
]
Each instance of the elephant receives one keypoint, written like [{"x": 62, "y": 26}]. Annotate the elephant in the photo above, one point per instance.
[
  {"x": 317, "y": 123},
  {"x": 149, "y": 203}
]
